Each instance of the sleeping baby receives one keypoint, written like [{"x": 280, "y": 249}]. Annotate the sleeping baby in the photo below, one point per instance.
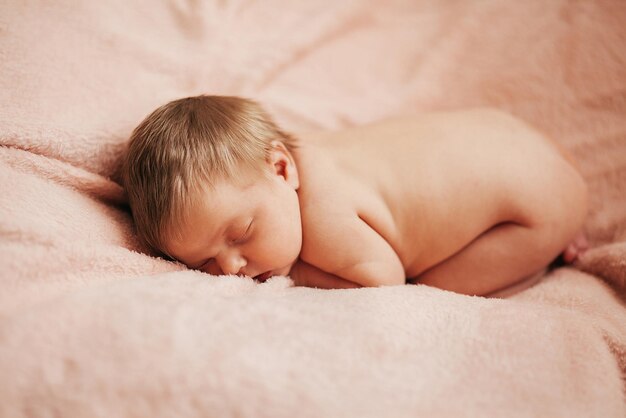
[{"x": 469, "y": 201}]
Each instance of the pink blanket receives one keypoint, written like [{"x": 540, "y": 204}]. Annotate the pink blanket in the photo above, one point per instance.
[{"x": 92, "y": 325}]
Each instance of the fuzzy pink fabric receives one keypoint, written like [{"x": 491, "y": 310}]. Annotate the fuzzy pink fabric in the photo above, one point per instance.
[{"x": 91, "y": 325}]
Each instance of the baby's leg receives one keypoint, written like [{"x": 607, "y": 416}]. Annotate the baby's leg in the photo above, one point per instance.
[{"x": 500, "y": 257}]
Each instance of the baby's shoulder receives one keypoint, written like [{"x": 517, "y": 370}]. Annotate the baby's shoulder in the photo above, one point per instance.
[
  {"x": 325, "y": 224},
  {"x": 327, "y": 204},
  {"x": 324, "y": 185}
]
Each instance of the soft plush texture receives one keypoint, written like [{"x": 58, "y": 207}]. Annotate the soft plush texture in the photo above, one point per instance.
[{"x": 92, "y": 325}]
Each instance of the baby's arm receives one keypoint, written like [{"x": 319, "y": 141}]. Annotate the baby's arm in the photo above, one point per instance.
[
  {"x": 304, "y": 274},
  {"x": 345, "y": 247}
]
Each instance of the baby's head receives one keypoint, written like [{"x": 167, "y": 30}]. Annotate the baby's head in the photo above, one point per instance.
[{"x": 211, "y": 182}]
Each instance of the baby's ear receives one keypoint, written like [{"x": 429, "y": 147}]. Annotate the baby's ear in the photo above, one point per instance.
[{"x": 283, "y": 164}]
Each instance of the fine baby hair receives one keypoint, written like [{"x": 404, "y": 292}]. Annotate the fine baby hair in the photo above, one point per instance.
[{"x": 189, "y": 144}]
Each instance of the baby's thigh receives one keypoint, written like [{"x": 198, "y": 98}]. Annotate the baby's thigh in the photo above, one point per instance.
[{"x": 500, "y": 257}]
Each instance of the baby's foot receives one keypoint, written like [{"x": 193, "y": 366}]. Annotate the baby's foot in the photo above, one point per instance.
[{"x": 575, "y": 249}]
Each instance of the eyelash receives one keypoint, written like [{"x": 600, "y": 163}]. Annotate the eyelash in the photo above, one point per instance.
[
  {"x": 235, "y": 241},
  {"x": 243, "y": 236}
]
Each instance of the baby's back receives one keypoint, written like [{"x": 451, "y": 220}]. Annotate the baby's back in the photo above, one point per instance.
[{"x": 430, "y": 184}]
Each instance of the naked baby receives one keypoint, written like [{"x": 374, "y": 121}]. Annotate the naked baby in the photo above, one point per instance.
[{"x": 470, "y": 201}]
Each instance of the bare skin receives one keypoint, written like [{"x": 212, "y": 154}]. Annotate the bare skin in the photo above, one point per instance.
[{"x": 472, "y": 202}]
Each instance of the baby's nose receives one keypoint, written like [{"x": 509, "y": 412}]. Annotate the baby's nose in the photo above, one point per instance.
[{"x": 233, "y": 264}]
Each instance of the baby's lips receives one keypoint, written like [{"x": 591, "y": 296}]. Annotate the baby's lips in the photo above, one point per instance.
[{"x": 263, "y": 276}]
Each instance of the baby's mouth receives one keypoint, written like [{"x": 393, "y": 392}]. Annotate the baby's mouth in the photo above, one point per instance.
[{"x": 263, "y": 276}]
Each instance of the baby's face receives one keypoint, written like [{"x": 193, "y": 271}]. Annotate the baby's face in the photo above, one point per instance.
[{"x": 251, "y": 230}]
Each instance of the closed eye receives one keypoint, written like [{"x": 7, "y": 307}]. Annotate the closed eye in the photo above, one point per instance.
[{"x": 245, "y": 234}]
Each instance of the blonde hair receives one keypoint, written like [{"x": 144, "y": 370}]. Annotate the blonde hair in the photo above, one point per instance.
[{"x": 188, "y": 144}]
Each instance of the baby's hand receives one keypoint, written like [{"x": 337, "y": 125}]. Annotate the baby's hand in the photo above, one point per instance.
[{"x": 304, "y": 274}]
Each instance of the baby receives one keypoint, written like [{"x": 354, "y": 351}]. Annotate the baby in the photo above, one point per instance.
[{"x": 469, "y": 201}]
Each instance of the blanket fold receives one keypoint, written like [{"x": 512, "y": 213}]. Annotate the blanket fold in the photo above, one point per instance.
[{"x": 93, "y": 324}]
